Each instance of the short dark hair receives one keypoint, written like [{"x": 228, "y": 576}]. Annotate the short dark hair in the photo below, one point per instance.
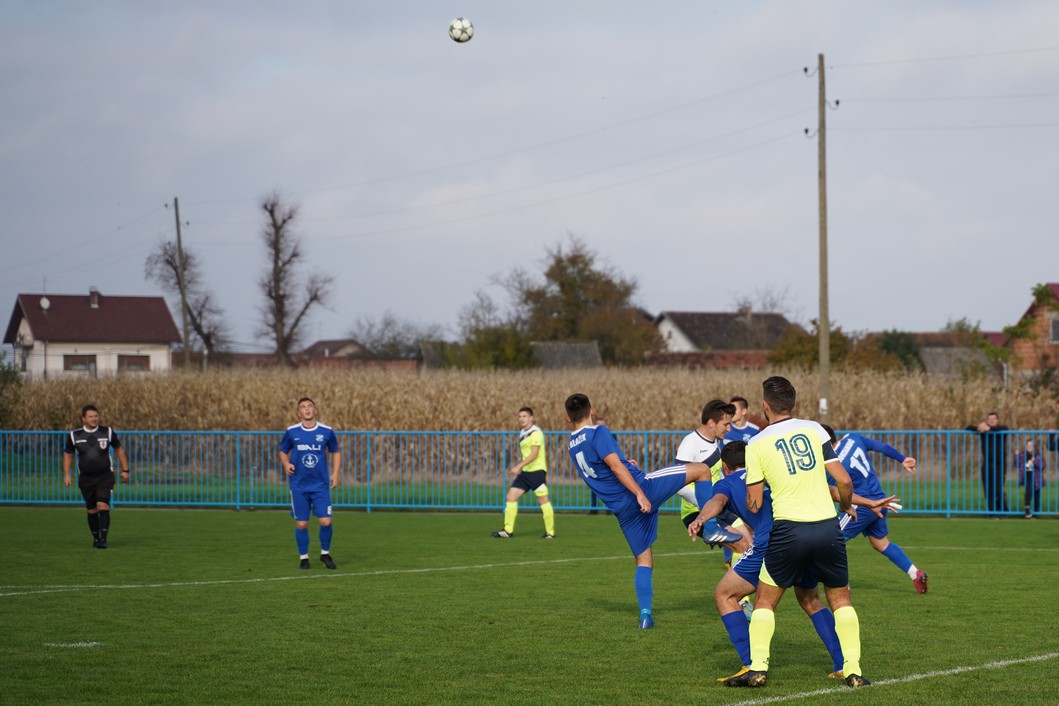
[
  {"x": 88, "y": 408},
  {"x": 528, "y": 410},
  {"x": 779, "y": 393},
  {"x": 733, "y": 454},
  {"x": 307, "y": 399},
  {"x": 740, "y": 400},
  {"x": 714, "y": 410},
  {"x": 578, "y": 407},
  {"x": 830, "y": 432}
]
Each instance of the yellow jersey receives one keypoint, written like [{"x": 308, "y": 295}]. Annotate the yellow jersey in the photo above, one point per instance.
[
  {"x": 790, "y": 456},
  {"x": 527, "y": 439}
]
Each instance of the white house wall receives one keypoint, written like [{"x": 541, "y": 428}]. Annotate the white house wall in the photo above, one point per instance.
[
  {"x": 46, "y": 359},
  {"x": 675, "y": 340}
]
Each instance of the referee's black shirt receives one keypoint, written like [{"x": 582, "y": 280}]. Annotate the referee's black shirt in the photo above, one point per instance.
[{"x": 93, "y": 448}]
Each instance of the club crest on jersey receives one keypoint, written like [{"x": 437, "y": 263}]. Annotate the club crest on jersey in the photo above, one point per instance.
[
  {"x": 102, "y": 444},
  {"x": 309, "y": 461},
  {"x": 319, "y": 438}
]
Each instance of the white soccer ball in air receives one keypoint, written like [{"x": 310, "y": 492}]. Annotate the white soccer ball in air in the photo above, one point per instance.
[{"x": 461, "y": 30}]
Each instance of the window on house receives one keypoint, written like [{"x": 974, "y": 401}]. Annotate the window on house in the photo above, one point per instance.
[
  {"x": 134, "y": 363},
  {"x": 1055, "y": 330},
  {"x": 85, "y": 364}
]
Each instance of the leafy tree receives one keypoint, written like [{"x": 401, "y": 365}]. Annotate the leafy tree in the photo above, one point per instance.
[
  {"x": 578, "y": 299},
  {"x": 802, "y": 349},
  {"x": 285, "y": 309},
  {"x": 492, "y": 338},
  {"x": 205, "y": 317},
  {"x": 904, "y": 346}
]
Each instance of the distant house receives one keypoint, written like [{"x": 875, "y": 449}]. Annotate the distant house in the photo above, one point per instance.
[
  {"x": 954, "y": 354},
  {"x": 334, "y": 348},
  {"x": 712, "y": 340},
  {"x": 93, "y": 334},
  {"x": 1040, "y": 348}
]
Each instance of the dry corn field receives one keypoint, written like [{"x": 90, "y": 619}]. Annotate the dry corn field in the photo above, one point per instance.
[{"x": 628, "y": 399}]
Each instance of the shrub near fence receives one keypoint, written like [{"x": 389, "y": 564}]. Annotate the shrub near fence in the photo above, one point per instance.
[{"x": 456, "y": 470}]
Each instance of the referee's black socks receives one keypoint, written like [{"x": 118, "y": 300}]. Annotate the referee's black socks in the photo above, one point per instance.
[
  {"x": 93, "y": 523},
  {"x": 104, "y": 523}
]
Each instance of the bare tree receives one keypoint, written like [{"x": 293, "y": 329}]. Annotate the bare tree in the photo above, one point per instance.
[
  {"x": 205, "y": 316},
  {"x": 390, "y": 337},
  {"x": 288, "y": 296}
]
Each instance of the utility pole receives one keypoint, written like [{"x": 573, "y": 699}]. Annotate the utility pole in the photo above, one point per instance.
[
  {"x": 183, "y": 286},
  {"x": 824, "y": 325}
]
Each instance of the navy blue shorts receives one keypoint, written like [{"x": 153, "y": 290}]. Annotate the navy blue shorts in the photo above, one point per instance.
[{"x": 798, "y": 548}]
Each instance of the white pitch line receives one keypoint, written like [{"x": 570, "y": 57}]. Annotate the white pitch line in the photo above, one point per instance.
[
  {"x": 899, "y": 680},
  {"x": 68, "y": 645},
  {"x": 302, "y": 577}
]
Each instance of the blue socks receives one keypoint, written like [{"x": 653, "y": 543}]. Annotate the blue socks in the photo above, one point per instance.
[
  {"x": 897, "y": 555},
  {"x": 301, "y": 536},
  {"x": 703, "y": 493},
  {"x": 738, "y": 628},
  {"x": 824, "y": 622},
  {"x": 644, "y": 589},
  {"x": 325, "y": 538}
]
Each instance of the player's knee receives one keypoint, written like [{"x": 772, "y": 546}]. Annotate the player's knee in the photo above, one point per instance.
[
  {"x": 102, "y": 506},
  {"x": 301, "y": 524},
  {"x": 324, "y": 521},
  {"x": 542, "y": 493}
]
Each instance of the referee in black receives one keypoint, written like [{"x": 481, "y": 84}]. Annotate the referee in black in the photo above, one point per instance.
[{"x": 92, "y": 444}]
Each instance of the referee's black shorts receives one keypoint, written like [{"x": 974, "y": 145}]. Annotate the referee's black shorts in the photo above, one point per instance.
[
  {"x": 96, "y": 488},
  {"x": 796, "y": 548}
]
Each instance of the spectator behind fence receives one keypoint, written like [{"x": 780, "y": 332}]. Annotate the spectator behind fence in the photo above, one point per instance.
[
  {"x": 1030, "y": 467},
  {"x": 994, "y": 461}
]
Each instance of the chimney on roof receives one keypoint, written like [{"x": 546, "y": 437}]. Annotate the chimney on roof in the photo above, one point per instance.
[{"x": 93, "y": 297}]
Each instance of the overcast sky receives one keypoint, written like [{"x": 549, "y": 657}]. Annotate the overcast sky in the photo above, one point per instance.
[{"x": 668, "y": 137}]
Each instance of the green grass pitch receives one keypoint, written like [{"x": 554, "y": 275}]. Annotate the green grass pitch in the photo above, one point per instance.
[{"x": 208, "y": 606}]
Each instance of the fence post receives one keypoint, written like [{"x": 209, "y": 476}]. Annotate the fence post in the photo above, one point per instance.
[
  {"x": 367, "y": 470},
  {"x": 948, "y": 475},
  {"x": 238, "y": 470}
]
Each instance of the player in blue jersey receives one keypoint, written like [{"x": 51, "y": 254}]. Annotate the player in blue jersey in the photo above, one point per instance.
[
  {"x": 309, "y": 455},
  {"x": 741, "y": 429},
  {"x": 631, "y": 495},
  {"x": 852, "y": 450}
]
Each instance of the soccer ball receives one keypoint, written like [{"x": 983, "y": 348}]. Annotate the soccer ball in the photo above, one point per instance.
[{"x": 461, "y": 30}]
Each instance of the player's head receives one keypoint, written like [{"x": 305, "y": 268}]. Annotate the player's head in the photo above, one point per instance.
[
  {"x": 306, "y": 409},
  {"x": 779, "y": 395},
  {"x": 733, "y": 456},
  {"x": 716, "y": 410},
  {"x": 578, "y": 408},
  {"x": 90, "y": 415},
  {"x": 525, "y": 417},
  {"x": 830, "y": 433},
  {"x": 740, "y": 408}
]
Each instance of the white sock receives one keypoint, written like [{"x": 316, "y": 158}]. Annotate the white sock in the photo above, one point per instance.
[
  {"x": 304, "y": 556},
  {"x": 912, "y": 571}
]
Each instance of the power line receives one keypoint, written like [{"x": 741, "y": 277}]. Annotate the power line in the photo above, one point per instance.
[
  {"x": 520, "y": 150},
  {"x": 915, "y": 128},
  {"x": 931, "y": 99},
  {"x": 955, "y": 57}
]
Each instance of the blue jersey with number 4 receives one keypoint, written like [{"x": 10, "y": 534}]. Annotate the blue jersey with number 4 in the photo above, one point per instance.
[
  {"x": 588, "y": 447},
  {"x": 308, "y": 450}
]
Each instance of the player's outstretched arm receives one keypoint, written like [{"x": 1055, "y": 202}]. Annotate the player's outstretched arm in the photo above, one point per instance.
[
  {"x": 836, "y": 470},
  {"x": 625, "y": 478},
  {"x": 709, "y": 511}
]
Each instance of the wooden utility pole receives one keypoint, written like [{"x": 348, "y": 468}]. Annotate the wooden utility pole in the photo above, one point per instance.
[
  {"x": 824, "y": 325},
  {"x": 183, "y": 286}
]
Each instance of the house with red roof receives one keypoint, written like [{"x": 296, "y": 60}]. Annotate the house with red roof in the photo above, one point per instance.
[
  {"x": 1034, "y": 340},
  {"x": 93, "y": 334}
]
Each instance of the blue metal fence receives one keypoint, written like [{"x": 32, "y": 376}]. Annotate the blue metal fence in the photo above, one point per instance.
[{"x": 468, "y": 470}]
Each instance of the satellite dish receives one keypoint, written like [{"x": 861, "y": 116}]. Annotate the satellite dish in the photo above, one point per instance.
[{"x": 45, "y": 303}]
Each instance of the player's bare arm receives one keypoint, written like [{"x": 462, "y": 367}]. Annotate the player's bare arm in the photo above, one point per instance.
[
  {"x": 124, "y": 460},
  {"x": 336, "y": 468},
  {"x": 755, "y": 495},
  {"x": 67, "y": 459},
  {"x": 709, "y": 511},
  {"x": 625, "y": 478},
  {"x": 285, "y": 464},
  {"x": 517, "y": 468},
  {"x": 910, "y": 464},
  {"x": 836, "y": 470}
]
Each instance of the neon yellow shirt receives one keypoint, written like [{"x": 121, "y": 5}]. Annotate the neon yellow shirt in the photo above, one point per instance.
[
  {"x": 789, "y": 456},
  {"x": 526, "y": 441}
]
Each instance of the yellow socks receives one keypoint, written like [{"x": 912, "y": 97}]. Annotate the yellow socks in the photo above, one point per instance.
[
  {"x": 510, "y": 510},
  {"x": 847, "y": 626},
  {"x": 761, "y": 629},
  {"x": 549, "y": 518}
]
